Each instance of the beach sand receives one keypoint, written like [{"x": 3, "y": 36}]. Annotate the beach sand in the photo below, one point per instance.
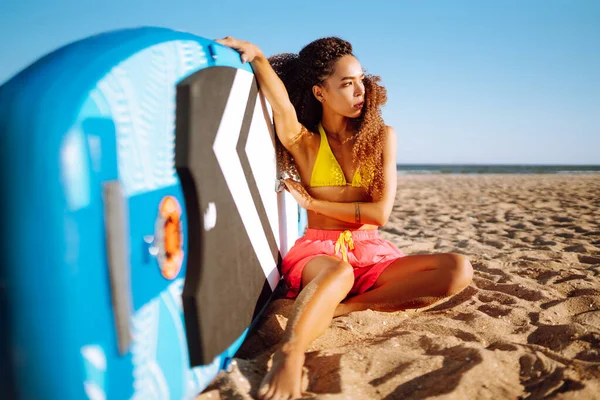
[{"x": 528, "y": 326}]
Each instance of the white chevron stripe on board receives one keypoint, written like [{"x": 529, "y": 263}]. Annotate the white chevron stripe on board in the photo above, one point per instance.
[
  {"x": 263, "y": 163},
  {"x": 225, "y": 150}
]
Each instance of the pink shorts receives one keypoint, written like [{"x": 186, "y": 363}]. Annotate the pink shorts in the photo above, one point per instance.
[{"x": 364, "y": 250}]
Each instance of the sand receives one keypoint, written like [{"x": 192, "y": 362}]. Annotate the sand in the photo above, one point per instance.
[{"x": 528, "y": 326}]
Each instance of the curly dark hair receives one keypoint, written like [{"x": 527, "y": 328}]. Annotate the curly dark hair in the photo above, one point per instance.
[{"x": 312, "y": 66}]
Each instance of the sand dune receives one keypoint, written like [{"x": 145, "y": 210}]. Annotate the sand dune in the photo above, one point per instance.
[{"x": 527, "y": 327}]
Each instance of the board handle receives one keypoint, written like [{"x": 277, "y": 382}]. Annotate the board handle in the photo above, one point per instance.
[{"x": 116, "y": 217}]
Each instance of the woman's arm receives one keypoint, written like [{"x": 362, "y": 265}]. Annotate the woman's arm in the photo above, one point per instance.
[
  {"x": 286, "y": 121},
  {"x": 374, "y": 213}
]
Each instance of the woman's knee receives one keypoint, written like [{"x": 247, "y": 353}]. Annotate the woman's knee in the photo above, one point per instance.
[
  {"x": 331, "y": 270},
  {"x": 338, "y": 274},
  {"x": 341, "y": 272},
  {"x": 460, "y": 272},
  {"x": 336, "y": 278}
]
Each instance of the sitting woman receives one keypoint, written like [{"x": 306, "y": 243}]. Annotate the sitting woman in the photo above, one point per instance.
[{"x": 340, "y": 161}]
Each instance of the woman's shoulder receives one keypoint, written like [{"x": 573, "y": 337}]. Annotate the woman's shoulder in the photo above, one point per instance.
[
  {"x": 390, "y": 132},
  {"x": 391, "y": 138}
]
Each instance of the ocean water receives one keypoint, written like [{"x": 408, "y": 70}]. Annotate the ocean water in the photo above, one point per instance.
[{"x": 495, "y": 169}]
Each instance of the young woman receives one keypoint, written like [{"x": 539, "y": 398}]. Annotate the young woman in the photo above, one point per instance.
[{"x": 340, "y": 161}]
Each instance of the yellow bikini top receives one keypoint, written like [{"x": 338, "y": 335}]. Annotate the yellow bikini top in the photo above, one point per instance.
[{"x": 327, "y": 170}]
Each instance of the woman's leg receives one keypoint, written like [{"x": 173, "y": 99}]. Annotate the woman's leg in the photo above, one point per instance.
[
  {"x": 413, "y": 282},
  {"x": 326, "y": 282}
]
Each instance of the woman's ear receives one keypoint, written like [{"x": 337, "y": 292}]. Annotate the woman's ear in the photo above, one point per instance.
[{"x": 318, "y": 93}]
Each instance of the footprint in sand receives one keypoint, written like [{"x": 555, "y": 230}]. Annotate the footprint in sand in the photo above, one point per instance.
[
  {"x": 584, "y": 292},
  {"x": 570, "y": 340},
  {"x": 541, "y": 276},
  {"x": 495, "y": 311},
  {"x": 562, "y": 219},
  {"x": 513, "y": 289},
  {"x": 544, "y": 241},
  {"x": 544, "y": 377},
  {"x": 501, "y": 298},
  {"x": 571, "y": 278},
  {"x": 566, "y": 235},
  {"x": 589, "y": 259}
]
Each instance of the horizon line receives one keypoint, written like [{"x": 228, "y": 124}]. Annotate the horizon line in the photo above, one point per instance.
[{"x": 500, "y": 164}]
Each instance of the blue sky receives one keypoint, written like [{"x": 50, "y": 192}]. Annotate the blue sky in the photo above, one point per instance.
[{"x": 481, "y": 82}]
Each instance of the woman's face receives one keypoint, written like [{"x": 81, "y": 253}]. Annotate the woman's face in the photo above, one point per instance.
[{"x": 344, "y": 91}]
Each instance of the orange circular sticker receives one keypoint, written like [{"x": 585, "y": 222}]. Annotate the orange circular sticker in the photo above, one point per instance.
[{"x": 169, "y": 237}]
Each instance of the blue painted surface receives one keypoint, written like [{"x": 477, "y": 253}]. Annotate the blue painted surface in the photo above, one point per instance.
[{"x": 96, "y": 110}]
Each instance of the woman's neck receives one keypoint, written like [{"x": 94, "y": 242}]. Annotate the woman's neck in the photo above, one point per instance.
[{"x": 336, "y": 125}]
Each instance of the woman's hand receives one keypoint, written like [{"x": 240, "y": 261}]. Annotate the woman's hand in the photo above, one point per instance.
[
  {"x": 248, "y": 51},
  {"x": 297, "y": 191}
]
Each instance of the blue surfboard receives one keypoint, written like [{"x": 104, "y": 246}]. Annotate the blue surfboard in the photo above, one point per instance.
[{"x": 142, "y": 232}]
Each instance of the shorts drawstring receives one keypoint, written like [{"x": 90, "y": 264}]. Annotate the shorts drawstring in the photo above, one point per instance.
[{"x": 344, "y": 243}]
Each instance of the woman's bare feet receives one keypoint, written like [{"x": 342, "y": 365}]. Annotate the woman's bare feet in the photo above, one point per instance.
[{"x": 284, "y": 379}]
